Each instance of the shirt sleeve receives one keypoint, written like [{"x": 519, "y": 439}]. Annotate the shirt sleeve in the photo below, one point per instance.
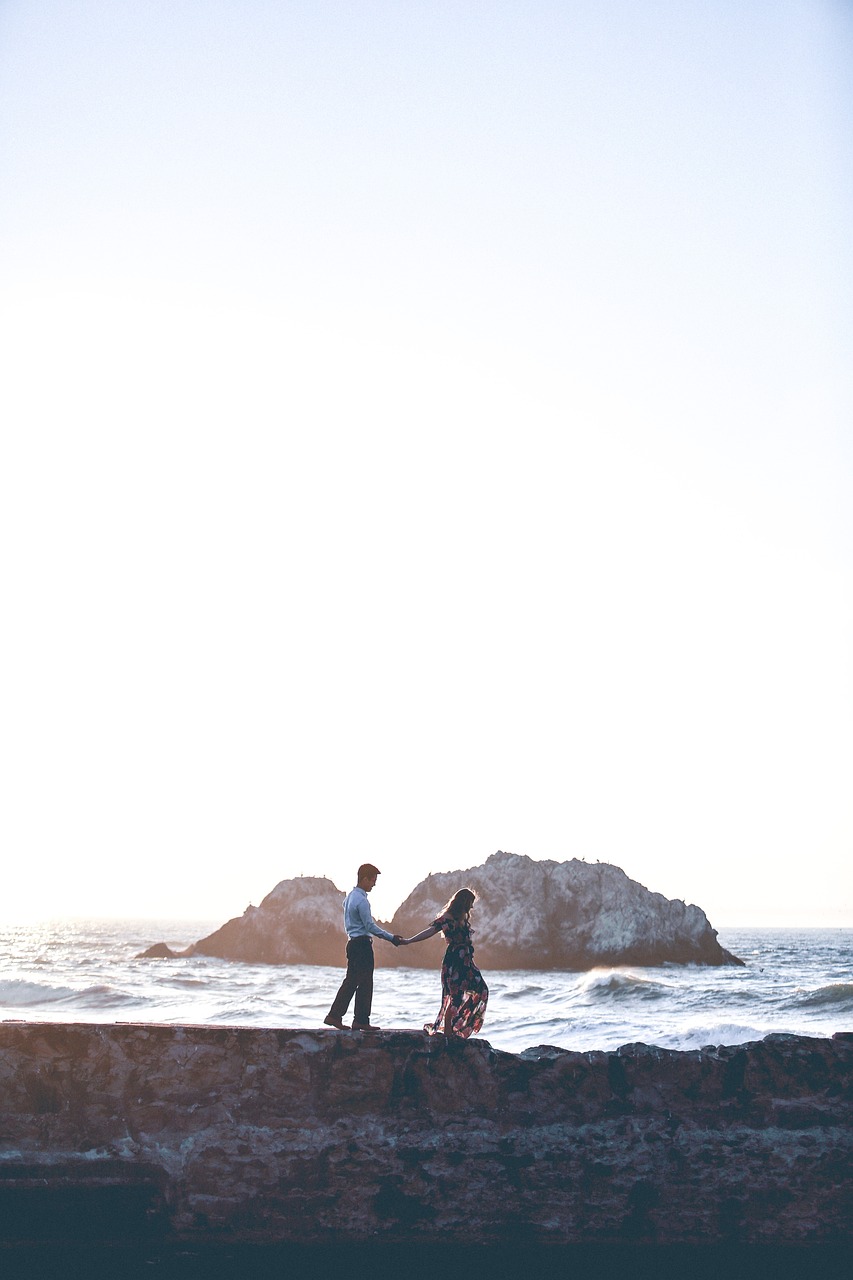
[{"x": 369, "y": 923}]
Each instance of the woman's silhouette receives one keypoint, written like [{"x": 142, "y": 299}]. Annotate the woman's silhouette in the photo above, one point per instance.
[{"x": 464, "y": 994}]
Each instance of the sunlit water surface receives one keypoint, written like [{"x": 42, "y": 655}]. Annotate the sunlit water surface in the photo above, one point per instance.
[{"x": 795, "y": 980}]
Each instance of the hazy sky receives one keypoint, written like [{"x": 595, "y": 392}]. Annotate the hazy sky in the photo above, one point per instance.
[{"x": 426, "y": 430}]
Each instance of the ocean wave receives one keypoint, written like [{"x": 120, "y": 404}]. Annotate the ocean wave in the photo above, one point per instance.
[
  {"x": 173, "y": 980},
  {"x": 248, "y": 1014},
  {"x": 590, "y": 1034},
  {"x": 699, "y": 1035},
  {"x": 838, "y": 994},
  {"x": 101, "y": 997},
  {"x": 604, "y": 985},
  {"x": 18, "y": 993},
  {"x": 524, "y": 993}
]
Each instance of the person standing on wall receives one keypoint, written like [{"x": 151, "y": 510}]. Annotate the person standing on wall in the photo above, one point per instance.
[
  {"x": 464, "y": 994},
  {"x": 358, "y": 982}
]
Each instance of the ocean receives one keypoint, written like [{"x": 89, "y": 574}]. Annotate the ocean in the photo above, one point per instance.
[{"x": 795, "y": 980}]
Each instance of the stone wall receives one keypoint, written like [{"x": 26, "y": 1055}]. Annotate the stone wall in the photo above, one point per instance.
[{"x": 319, "y": 1136}]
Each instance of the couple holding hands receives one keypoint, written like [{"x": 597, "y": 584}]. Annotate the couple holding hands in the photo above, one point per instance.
[{"x": 463, "y": 992}]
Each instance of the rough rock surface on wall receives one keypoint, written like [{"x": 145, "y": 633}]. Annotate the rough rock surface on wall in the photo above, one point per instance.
[{"x": 320, "y": 1136}]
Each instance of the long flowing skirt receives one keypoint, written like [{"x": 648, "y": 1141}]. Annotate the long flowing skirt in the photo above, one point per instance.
[{"x": 464, "y": 995}]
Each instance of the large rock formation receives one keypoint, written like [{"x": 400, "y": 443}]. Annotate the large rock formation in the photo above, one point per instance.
[
  {"x": 242, "y": 1134},
  {"x": 298, "y": 922},
  {"x": 562, "y": 915},
  {"x": 529, "y": 915}
]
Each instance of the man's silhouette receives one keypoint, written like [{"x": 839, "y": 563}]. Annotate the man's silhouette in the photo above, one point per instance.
[{"x": 359, "y": 924}]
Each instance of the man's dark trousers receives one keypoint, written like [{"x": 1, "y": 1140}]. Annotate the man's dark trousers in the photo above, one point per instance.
[{"x": 359, "y": 979}]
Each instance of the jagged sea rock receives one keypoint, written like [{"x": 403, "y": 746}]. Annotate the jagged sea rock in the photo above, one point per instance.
[
  {"x": 299, "y": 922},
  {"x": 562, "y": 915},
  {"x": 529, "y": 915}
]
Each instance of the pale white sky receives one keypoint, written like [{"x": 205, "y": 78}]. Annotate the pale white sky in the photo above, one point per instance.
[{"x": 426, "y": 430}]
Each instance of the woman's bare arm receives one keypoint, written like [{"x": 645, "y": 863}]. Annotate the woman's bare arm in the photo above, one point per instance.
[{"x": 424, "y": 933}]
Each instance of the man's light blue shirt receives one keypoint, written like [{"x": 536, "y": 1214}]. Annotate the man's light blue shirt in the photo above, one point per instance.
[{"x": 358, "y": 921}]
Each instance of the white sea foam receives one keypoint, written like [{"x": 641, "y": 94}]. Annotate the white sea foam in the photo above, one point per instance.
[
  {"x": 697, "y": 1035},
  {"x": 19, "y": 993}
]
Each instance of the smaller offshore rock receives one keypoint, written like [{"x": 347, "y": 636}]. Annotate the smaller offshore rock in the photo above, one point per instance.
[
  {"x": 162, "y": 951},
  {"x": 299, "y": 922}
]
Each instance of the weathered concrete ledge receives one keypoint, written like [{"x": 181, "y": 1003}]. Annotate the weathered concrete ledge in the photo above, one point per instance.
[{"x": 274, "y": 1135}]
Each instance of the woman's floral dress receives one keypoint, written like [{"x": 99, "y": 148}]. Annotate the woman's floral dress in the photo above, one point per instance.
[{"x": 463, "y": 992}]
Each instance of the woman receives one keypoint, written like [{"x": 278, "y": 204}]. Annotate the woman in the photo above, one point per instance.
[{"x": 463, "y": 992}]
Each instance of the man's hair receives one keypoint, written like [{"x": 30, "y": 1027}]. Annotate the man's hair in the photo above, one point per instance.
[{"x": 367, "y": 869}]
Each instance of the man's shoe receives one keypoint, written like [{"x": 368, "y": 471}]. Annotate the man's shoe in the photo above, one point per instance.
[
  {"x": 365, "y": 1026},
  {"x": 331, "y": 1021}
]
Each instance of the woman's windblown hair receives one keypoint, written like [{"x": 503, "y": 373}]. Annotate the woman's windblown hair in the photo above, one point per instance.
[{"x": 460, "y": 904}]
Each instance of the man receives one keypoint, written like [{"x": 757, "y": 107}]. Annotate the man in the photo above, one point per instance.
[{"x": 359, "y": 924}]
